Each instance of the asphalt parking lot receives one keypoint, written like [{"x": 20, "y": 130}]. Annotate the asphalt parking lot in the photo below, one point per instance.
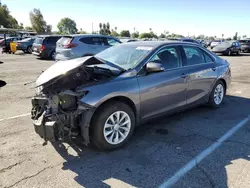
[{"x": 156, "y": 152}]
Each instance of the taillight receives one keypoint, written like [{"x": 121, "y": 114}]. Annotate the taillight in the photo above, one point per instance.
[
  {"x": 42, "y": 48},
  {"x": 70, "y": 45},
  {"x": 17, "y": 44}
]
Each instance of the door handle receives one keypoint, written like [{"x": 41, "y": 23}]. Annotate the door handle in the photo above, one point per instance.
[
  {"x": 184, "y": 75},
  {"x": 214, "y": 68}
]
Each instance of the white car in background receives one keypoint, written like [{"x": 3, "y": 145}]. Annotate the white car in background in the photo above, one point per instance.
[{"x": 215, "y": 43}]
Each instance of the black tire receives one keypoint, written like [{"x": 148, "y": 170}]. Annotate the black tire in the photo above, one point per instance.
[
  {"x": 99, "y": 119},
  {"x": 52, "y": 55},
  {"x": 229, "y": 53},
  {"x": 212, "y": 102},
  {"x": 238, "y": 52},
  {"x": 29, "y": 50}
]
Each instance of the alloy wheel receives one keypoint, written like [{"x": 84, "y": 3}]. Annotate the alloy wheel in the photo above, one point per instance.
[
  {"x": 117, "y": 127},
  {"x": 218, "y": 94}
]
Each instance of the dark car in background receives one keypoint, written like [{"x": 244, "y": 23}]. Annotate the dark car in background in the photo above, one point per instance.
[
  {"x": 25, "y": 45},
  {"x": 103, "y": 97},
  {"x": 9, "y": 40},
  {"x": 228, "y": 48},
  {"x": 45, "y": 46},
  {"x": 245, "y": 45}
]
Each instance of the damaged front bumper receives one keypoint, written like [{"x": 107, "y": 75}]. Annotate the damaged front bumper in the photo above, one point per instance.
[{"x": 53, "y": 124}]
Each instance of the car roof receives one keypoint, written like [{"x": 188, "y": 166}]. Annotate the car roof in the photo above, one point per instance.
[
  {"x": 156, "y": 44},
  {"x": 90, "y": 35}
]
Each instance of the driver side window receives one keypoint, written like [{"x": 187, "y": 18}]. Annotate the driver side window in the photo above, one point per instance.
[{"x": 168, "y": 57}]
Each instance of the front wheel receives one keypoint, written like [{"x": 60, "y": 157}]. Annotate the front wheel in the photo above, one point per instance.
[
  {"x": 112, "y": 126},
  {"x": 217, "y": 94},
  {"x": 229, "y": 53}
]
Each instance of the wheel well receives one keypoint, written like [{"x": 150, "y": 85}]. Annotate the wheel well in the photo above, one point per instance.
[
  {"x": 122, "y": 99},
  {"x": 224, "y": 82}
]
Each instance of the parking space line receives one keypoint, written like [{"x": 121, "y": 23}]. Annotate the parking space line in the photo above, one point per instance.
[
  {"x": 14, "y": 117},
  {"x": 189, "y": 166}
]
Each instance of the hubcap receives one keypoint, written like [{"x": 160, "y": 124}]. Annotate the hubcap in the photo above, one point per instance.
[
  {"x": 117, "y": 127},
  {"x": 218, "y": 94}
]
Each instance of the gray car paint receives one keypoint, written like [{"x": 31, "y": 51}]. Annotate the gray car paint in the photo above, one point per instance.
[{"x": 153, "y": 94}]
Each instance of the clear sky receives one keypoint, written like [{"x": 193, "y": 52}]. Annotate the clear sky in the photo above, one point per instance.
[{"x": 209, "y": 17}]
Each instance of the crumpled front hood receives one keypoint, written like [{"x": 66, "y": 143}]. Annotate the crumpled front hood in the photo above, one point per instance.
[{"x": 60, "y": 68}]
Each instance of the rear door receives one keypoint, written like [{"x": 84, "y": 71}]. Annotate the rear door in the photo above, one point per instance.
[
  {"x": 202, "y": 73},
  {"x": 50, "y": 43},
  {"x": 92, "y": 45}
]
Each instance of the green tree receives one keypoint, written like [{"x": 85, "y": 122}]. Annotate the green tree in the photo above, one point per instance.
[
  {"x": 114, "y": 33},
  {"x": 28, "y": 28},
  {"x": 6, "y": 20},
  {"x": 145, "y": 35},
  {"x": 200, "y": 37},
  {"x": 135, "y": 35},
  {"x": 235, "y": 36},
  {"x": 104, "y": 28},
  {"x": 37, "y": 21},
  {"x": 125, "y": 33},
  {"x": 48, "y": 29},
  {"x": 67, "y": 26},
  {"x": 162, "y": 35},
  {"x": 211, "y": 38}
]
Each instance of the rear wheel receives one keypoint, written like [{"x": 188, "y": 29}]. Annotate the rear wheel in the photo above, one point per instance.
[
  {"x": 29, "y": 49},
  {"x": 112, "y": 126},
  {"x": 217, "y": 94},
  {"x": 53, "y": 55}
]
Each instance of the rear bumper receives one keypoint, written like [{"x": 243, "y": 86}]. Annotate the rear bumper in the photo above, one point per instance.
[{"x": 36, "y": 53}]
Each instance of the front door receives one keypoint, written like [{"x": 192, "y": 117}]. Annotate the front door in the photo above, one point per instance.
[
  {"x": 163, "y": 91},
  {"x": 202, "y": 73}
]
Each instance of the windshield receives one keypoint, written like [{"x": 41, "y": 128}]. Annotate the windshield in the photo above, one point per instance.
[
  {"x": 225, "y": 44},
  {"x": 125, "y": 56}
]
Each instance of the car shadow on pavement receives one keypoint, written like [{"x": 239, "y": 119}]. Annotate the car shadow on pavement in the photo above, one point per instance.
[
  {"x": 159, "y": 148},
  {"x": 2, "y": 83}
]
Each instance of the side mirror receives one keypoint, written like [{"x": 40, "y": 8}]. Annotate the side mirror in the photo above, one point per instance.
[{"x": 154, "y": 67}]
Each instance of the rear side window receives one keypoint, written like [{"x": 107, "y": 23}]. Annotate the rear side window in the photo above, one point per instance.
[
  {"x": 65, "y": 40},
  {"x": 38, "y": 41},
  {"x": 94, "y": 40},
  {"x": 52, "y": 40},
  {"x": 194, "y": 56}
]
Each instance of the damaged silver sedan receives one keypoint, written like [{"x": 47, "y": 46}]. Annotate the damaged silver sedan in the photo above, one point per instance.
[{"x": 103, "y": 97}]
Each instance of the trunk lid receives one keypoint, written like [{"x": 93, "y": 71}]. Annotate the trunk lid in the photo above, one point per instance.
[
  {"x": 64, "y": 46},
  {"x": 36, "y": 47}
]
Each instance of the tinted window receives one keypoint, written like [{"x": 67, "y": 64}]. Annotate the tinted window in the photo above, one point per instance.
[
  {"x": 194, "y": 56},
  {"x": 168, "y": 57},
  {"x": 87, "y": 40},
  {"x": 112, "y": 42},
  {"x": 52, "y": 40},
  {"x": 94, "y": 40}
]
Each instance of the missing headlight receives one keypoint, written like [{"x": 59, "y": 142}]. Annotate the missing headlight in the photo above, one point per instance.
[{"x": 68, "y": 102}]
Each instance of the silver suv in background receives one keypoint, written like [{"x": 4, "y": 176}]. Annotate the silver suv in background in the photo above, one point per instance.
[{"x": 74, "y": 46}]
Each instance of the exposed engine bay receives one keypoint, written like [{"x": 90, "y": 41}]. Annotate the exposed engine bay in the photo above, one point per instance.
[{"x": 56, "y": 109}]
